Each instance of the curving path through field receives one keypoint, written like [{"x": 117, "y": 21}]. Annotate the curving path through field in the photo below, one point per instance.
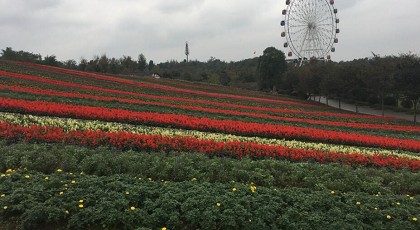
[{"x": 366, "y": 109}]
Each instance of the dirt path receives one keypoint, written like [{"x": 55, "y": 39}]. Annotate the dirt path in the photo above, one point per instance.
[{"x": 366, "y": 109}]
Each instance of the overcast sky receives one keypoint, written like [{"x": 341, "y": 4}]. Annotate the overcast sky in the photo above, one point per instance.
[{"x": 230, "y": 30}]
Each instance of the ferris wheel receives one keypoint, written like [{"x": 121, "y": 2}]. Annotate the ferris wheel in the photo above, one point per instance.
[{"x": 310, "y": 28}]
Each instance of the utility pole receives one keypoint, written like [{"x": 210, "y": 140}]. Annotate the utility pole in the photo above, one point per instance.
[{"x": 187, "y": 50}]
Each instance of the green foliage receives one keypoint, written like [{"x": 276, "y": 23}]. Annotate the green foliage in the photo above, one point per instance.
[
  {"x": 224, "y": 78},
  {"x": 107, "y": 203},
  {"x": 178, "y": 167},
  {"x": 51, "y": 60},
  {"x": 10, "y": 54},
  {"x": 142, "y": 62},
  {"x": 271, "y": 68}
]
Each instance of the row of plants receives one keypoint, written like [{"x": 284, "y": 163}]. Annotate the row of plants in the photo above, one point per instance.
[
  {"x": 68, "y": 124},
  {"x": 78, "y": 188},
  {"x": 235, "y": 149},
  {"x": 186, "y": 166},
  {"x": 123, "y": 202},
  {"x": 143, "y": 85},
  {"x": 109, "y": 88},
  {"x": 42, "y": 83},
  {"x": 323, "y": 114},
  {"x": 54, "y": 93},
  {"x": 207, "y": 124}
]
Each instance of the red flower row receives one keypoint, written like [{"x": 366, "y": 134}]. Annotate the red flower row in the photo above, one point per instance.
[
  {"x": 194, "y": 101},
  {"x": 206, "y": 124},
  {"x": 215, "y": 111},
  {"x": 125, "y": 140},
  {"x": 167, "y": 88}
]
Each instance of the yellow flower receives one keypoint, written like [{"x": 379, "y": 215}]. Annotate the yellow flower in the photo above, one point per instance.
[
  {"x": 46, "y": 178},
  {"x": 3, "y": 195},
  {"x": 234, "y": 190},
  {"x": 66, "y": 212},
  {"x": 61, "y": 193},
  {"x": 9, "y": 171},
  {"x": 376, "y": 209},
  {"x": 5, "y": 207},
  {"x": 3, "y": 175},
  {"x": 358, "y": 203},
  {"x": 59, "y": 170},
  {"x": 27, "y": 177},
  {"x": 127, "y": 193},
  {"x": 253, "y": 188},
  {"x": 81, "y": 201},
  {"x": 414, "y": 219},
  {"x": 73, "y": 182},
  {"x": 333, "y": 192},
  {"x": 194, "y": 179},
  {"x": 80, "y": 205},
  {"x": 412, "y": 198},
  {"x": 218, "y": 204},
  {"x": 388, "y": 217},
  {"x": 132, "y": 208},
  {"x": 164, "y": 228},
  {"x": 150, "y": 179},
  {"x": 398, "y": 203}
]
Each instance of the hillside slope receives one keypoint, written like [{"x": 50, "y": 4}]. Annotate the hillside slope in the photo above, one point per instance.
[{"x": 85, "y": 150}]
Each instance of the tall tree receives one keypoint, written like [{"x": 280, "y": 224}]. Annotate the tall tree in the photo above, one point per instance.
[
  {"x": 271, "y": 68},
  {"x": 378, "y": 77},
  {"x": 50, "y": 60},
  {"x": 151, "y": 65},
  {"x": 408, "y": 79},
  {"x": 224, "y": 78},
  {"x": 187, "y": 50},
  {"x": 103, "y": 64},
  {"x": 141, "y": 63}
]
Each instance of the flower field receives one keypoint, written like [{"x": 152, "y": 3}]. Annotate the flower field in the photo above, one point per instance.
[{"x": 87, "y": 151}]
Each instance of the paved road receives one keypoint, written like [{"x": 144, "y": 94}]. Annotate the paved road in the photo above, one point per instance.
[{"x": 367, "y": 109}]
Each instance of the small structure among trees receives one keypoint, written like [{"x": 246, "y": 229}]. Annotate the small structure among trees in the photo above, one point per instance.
[{"x": 187, "y": 50}]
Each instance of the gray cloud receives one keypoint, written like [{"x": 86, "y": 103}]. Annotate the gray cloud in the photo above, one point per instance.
[{"x": 226, "y": 29}]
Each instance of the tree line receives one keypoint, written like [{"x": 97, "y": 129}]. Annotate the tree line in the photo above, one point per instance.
[
  {"x": 102, "y": 63},
  {"x": 383, "y": 81}
]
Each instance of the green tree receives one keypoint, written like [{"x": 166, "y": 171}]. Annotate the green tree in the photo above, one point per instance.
[
  {"x": 10, "y": 54},
  {"x": 103, "y": 63},
  {"x": 70, "y": 64},
  {"x": 128, "y": 64},
  {"x": 271, "y": 68},
  {"x": 83, "y": 64},
  {"x": 224, "y": 78},
  {"x": 378, "y": 77},
  {"x": 51, "y": 60},
  {"x": 408, "y": 79},
  {"x": 151, "y": 65},
  {"x": 142, "y": 62}
]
